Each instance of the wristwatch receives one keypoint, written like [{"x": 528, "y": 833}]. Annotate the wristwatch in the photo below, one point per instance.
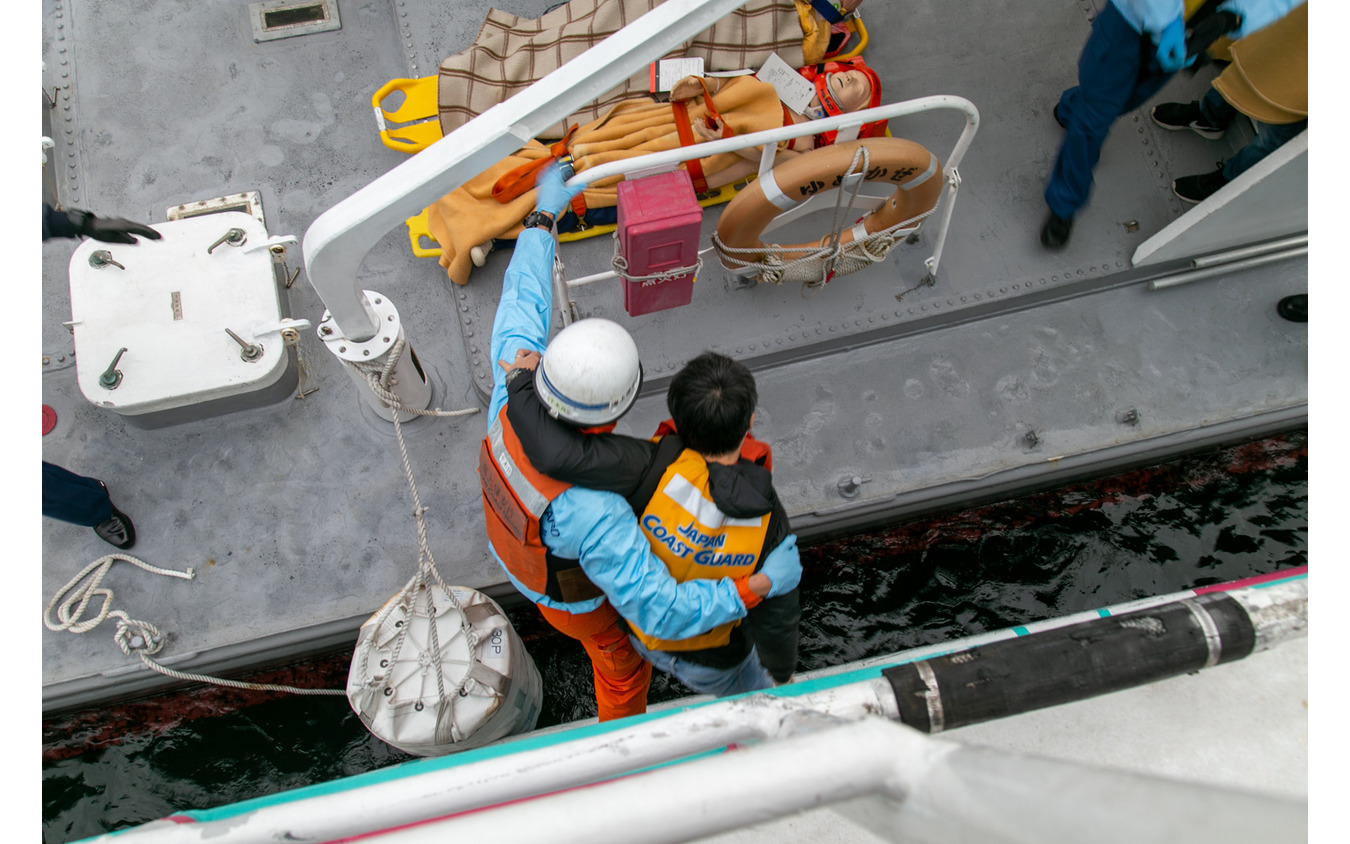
[{"x": 542, "y": 219}]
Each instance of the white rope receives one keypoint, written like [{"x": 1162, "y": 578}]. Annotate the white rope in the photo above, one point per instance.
[
  {"x": 620, "y": 266},
  {"x": 70, "y": 619},
  {"x": 140, "y": 638},
  {"x": 378, "y": 377},
  {"x": 772, "y": 269}
]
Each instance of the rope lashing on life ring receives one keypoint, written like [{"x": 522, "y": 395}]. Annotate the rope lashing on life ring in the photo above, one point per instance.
[{"x": 915, "y": 172}]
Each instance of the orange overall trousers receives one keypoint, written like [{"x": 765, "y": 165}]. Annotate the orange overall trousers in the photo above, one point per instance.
[{"x": 621, "y": 676}]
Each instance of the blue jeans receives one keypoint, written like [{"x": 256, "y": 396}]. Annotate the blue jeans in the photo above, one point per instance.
[
  {"x": 1269, "y": 136},
  {"x": 1117, "y": 72},
  {"x": 749, "y": 676},
  {"x": 73, "y": 498}
]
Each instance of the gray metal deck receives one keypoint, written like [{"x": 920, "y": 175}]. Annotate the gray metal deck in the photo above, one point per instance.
[{"x": 296, "y": 516}]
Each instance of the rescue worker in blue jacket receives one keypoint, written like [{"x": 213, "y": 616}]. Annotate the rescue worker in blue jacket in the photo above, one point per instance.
[
  {"x": 1134, "y": 48},
  {"x": 578, "y": 553}
]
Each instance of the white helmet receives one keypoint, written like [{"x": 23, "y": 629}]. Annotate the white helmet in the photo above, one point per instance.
[{"x": 590, "y": 373}]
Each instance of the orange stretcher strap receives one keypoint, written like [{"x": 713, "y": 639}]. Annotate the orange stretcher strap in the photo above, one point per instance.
[
  {"x": 682, "y": 128},
  {"x": 520, "y": 179}
]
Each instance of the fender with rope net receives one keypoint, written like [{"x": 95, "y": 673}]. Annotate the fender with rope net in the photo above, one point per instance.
[{"x": 914, "y": 171}]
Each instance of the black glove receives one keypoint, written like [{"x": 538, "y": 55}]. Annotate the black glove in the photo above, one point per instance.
[
  {"x": 108, "y": 229},
  {"x": 1209, "y": 30}
]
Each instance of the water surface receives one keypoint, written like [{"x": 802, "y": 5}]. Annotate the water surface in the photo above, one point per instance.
[{"x": 1211, "y": 518}]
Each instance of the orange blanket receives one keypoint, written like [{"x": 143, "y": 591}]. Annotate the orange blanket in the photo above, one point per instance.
[{"x": 470, "y": 215}]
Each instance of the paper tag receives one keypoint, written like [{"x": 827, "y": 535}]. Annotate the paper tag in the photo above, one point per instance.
[
  {"x": 795, "y": 92},
  {"x": 666, "y": 72}
]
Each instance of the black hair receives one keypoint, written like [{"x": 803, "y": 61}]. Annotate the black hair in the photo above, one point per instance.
[{"x": 712, "y": 400}]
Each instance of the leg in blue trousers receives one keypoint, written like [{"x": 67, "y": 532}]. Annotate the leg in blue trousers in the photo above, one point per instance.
[
  {"x": 1116, "y": 74},
  {"x": 84, "y": 501}
]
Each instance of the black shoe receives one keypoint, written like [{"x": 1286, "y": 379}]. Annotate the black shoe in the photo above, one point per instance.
[
  {"x": 1178, "y": 116},
  {"x": 1195, "y": 189},
  {"x": 1055, "y": 232},
  {"x": 117, "y": 530},
  {"x": 1294, "y": 308}
]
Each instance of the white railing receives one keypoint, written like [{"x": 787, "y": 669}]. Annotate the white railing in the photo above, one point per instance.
[
  {"x": 336, "y": 242},
  {"x": 846, "y": 124},
  {"x": 794, "y": 752}
]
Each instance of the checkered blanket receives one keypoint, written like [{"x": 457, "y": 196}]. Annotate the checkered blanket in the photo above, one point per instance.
[{"x": 510, "y": 53}]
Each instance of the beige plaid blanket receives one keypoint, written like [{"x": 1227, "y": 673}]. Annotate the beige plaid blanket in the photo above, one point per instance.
[
  {"x": 511, "y": 53},
  {"x": 470, "y": 215}
]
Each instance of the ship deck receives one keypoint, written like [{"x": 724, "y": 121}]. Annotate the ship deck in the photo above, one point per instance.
[{"x": 296, "y": 516}]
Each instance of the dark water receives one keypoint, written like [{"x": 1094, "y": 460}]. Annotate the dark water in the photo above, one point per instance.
[{"x": 1212, "y": 518}]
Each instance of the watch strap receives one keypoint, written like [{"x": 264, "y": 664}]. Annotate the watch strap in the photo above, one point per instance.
[{"x": 539, "y": 219}]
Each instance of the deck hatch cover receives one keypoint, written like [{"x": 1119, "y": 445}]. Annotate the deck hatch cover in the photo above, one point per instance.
[{"x": 286, "y": 19}]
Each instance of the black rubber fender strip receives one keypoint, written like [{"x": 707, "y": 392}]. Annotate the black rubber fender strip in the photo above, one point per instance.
[{"x": 1070, "y": 663}]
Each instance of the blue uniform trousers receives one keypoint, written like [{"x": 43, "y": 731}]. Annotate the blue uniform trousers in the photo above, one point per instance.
[
  {"x": 749, "y": 676},
  {"x": 1117, "y": 72},
  {"x": 73, "y": 498},
  {"x": 1269, "y": 136}
]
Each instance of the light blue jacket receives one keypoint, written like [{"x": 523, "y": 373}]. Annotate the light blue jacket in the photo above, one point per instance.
[
  {"x": 598, "y": 528},
  {"x": 1152, "y": 16}
]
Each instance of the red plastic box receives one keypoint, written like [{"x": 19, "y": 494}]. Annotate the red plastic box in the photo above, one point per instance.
[{"x": 659, "y": 222}]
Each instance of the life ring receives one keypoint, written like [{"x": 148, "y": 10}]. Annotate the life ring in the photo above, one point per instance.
[{"x": 916, "y": 173}]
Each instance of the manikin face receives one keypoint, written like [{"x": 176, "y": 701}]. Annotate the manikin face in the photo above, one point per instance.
[{"x": 851, "y": 89}]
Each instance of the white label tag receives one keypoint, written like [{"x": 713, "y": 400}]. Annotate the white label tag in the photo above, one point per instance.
[
  {"x": 666, "y": 72},
  {"x": 795, "y": 92}
]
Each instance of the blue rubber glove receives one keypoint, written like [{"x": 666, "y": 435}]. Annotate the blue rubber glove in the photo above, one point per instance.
[
  {"x": 783, "y": 567},
  {"x": 552, "y": 196},
  {"x": 1172, "y": 46}
]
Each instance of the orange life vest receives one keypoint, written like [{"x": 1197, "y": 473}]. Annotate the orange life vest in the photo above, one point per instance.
[{"x": 515, "y": 496}]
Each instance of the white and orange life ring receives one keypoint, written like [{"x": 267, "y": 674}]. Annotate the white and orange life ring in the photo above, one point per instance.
[{"x": 915, "y": 172}]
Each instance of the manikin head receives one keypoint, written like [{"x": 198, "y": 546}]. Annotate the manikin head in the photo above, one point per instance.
[{"x": 844, "y": 87}]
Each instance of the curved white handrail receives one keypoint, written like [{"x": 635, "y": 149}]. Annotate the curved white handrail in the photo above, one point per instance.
[{"x": 336, "y": 242}]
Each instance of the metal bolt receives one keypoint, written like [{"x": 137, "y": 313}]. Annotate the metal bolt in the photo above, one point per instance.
[
  {"x": 102, "y": 258},
  {"x": 849, "y": 486},
  {"x": 112, "y": 376},
  {"x": 1129, "y": 417},
  {"x": 249, "y": 352},
  {"x": 234, "y": 237},
  {"x": 325, "y": 330},
  {"x": 278, "y": 249},
  {"x": 1031, "y": 439}
]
